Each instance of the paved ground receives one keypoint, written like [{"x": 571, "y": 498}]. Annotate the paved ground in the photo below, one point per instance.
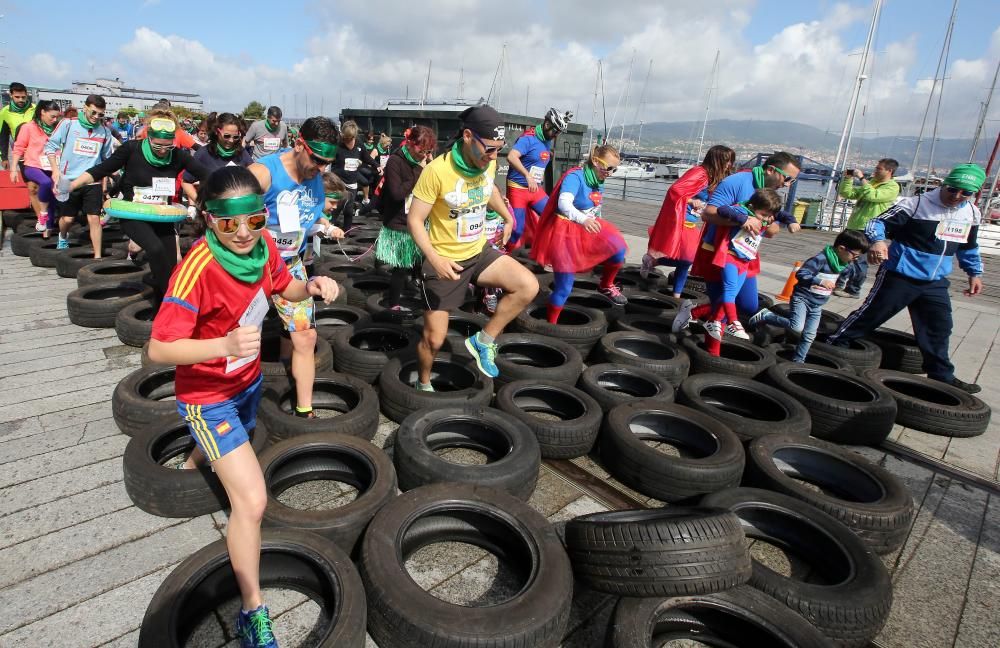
[{"x": 79, "y": 563}]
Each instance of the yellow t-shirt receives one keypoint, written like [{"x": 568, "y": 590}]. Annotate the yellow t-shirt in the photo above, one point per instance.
[{"x": 458, "y": 209}]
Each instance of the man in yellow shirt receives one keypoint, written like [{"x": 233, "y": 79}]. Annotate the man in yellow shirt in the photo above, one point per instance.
[
  {"x": 454, "y": 191},
  {"x": 20, "y": 110}
]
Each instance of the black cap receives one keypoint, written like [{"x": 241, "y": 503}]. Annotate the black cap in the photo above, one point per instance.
[{"x": 484, "y": 121}]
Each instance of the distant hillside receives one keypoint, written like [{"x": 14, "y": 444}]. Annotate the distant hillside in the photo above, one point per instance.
[{"x": 803, "y": 138}]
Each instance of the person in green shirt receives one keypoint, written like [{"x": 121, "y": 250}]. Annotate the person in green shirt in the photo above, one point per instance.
[
  {"x": 873, "y": 197},
  {"x": 18, "y": 111}
]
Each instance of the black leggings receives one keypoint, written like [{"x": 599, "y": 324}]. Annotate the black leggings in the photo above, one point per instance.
[{"x": 159, "y": 241}]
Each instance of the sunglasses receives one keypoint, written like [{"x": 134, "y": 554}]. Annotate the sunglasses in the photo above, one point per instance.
[
  {"x": 231, "y": 224},
  {"x": 94, "y": 113},
  {"x": 788, "y": 179},
  {"x": 956, "y": 190},
  {"x": 605, "y": 166},
  {"x": 487, "y": 150},
  {"x": 230, "y": 138}
]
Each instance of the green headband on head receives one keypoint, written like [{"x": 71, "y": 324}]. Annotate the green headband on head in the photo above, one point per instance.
[
  {"x": 336, "y": 195},
  {"x": 325, "y": 150},
  {"x": 966, "y": 176},
  {"x": 249, "y": 204},
  {"x": 162, "y": 128}
]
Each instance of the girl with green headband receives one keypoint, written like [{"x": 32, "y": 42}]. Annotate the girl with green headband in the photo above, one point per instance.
[{"x": 209, "y": 326}]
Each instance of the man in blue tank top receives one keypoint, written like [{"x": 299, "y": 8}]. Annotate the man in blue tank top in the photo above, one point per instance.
[{"x": 292, "y": 182}]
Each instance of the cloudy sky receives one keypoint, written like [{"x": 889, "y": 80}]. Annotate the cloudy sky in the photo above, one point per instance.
[{"x": 780, "y": 60}]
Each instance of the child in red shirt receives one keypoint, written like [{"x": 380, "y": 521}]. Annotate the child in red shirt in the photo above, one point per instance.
[{"x": 209, "y": 326}]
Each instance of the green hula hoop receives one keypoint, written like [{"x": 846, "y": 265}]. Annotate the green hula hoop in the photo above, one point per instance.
[{"x": 128, "y": 210}]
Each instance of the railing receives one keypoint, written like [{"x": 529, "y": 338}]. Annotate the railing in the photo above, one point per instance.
[{"x": 649, "y": 191}]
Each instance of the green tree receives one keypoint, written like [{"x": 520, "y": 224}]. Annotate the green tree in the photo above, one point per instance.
[
  {"x": 130, "y": 112},
  {"x": 187, "y": 113},
  {"x": 254, "y": 110}
]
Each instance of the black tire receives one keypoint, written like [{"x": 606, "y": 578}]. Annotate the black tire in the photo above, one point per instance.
[
  {"x": 673, "y": 551},
  {"x": 581, "y": 282},
  {"x": 359, "y": 289},
  {"x": 697, "y": 296},
  {"x": 143, "y": 398},
  {"x": 270, "y": 354},
  {"x": 866, "y": 498},
  {"x": 169, "y": 492},
  {"x": 748, "y": 407},
  {"x": 652, "y": 303},
  {"x": 932, "y": 406},
  {"x": 852, "y": 601},
  {"x": 785, "y": 353},
  {"x": 97, "y": 306},
  {"x": 693, "y": 282},
  {"x": 861, "y": 354},
  {"x": 457, "y": 382},
  {"x": 461, "y": 325},
  {"x": 578, "y": 326},
  {"x": 68, "y": 265},
  {"x": 21, "y": 243},
  {"x": 742, "y": 616},
  {"x": 642, "y": 323},
  {"x": 330, "y": 318},
  {"x": 289, "y": 559},
  {"x": 711, "y": 456},
  {"x": 523, "y": 355},
  {"x": 737, "y": 357},
  {"x": 572, "y": 434},
  {"x": 111, "y": 272},
  {"x": 46, "y": 254},
  {"x": 596, "y": 301},
  {"x": 402, "y": 615},
  {"x": 331, "y": 457},
  {"x": 134, "y": 323},
  {"x": 413, "y": 304},
  {"x": 511, "y": 450},
  {"x": 352, "y": 403},
  {"x": 899, "y": 350},
  {"x": 614, "y": 384},
  {"x": 364, "y": 350},
  {"x": 340, "y": 269},
  {"x": 844, "y": 408},
  {"x": 646, "y": 352}
]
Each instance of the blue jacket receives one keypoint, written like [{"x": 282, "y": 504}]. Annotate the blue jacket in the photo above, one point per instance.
[
  {"x": 810, "y": 275},
  {"x": 926, "y": 235}
]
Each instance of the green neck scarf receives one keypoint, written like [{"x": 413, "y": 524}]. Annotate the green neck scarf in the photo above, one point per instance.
[
  {"x": 17, "y": 109},
  {"x": 368, "y": 146},
  {"x": 540, "y": 132},
  {"x": 381, "y": 151},
  {"x": 834, "y": 260},
  {"x": 83, "y": 121},
  {"x": 406, "y": 154},
  {"x": 247, "y": 268},
  {"x": 270, "y": 129},
  {"x": 460, "y": 164},
  {"x": 224, "y": 153},
  {"x": 758, "y": 177},
  {"x": 46, "y": 129},
  {"x": 590, "y": 176},
  {"x": 158, "y": 162}
]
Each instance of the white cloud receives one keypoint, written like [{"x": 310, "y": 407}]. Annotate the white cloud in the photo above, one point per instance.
[{"x": 47, "y": 69}]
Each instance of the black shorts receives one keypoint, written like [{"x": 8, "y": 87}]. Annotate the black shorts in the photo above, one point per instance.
[
  {"x": 85, "y": 200},
  {"x": 449, "y": 294}
]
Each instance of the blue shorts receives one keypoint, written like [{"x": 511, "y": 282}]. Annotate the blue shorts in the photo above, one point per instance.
[{"x": 220, "y": 428}]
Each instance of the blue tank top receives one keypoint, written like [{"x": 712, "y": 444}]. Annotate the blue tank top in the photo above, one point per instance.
[{"x": 288, "y": 201}]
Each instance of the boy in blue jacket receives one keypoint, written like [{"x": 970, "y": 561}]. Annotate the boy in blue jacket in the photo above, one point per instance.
[{"x": 816, "y": 280}]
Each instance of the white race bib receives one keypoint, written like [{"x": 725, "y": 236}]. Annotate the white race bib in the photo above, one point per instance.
[
  {"x": 491, "y": 226},
  {"x": 270, "y": 144},
  {"x": 147, "y": 196},
  {"x": 43, "y": 163},
  {"x": 253, "y": 316},
  {"x": 953, "y": 231},
  {"x": 351, "y": 164},
  {"x": 820, "y": 290},
  {"x": 164, "y": 186},
  {"x": 288, "y": 217},
  {"x": 288, "y": 243},
  {"x": 538, "y": 173},
  {"x": 469, "y": 226},
  {"x": 87, "y": 147},
  {"x": 746, "y": 244},
  {"x": 407, "y": 203},
  {"x": 382, "y": 159}
]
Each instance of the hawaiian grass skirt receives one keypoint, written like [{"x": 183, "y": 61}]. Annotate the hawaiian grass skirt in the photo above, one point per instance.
[{"x": 397, "y": 249}]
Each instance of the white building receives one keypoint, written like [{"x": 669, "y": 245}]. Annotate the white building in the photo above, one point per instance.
[{"x": 115, "y": 94}]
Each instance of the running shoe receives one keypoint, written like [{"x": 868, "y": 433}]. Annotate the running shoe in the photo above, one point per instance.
[
  {"x": 758, "y": 318},
  {"x": 484, "y": 355},
  {"x": 843, "y": 293},
  {"x": 736, "y": 330},
  {"x": 63, "y": 244},
  {"x": 399, "y": 308},
  {"x": 42, "y": 225},
  {"x": 614, "y": 293},
  {"x": 306, "y": 415},
  {"x": 683, "y": 318},
  {"x": 421, "y": 387},
  {"x": 490, "y": 302},
  {"x": 648, "y": 263},
  {"x": 714, "y": 329},
  {"x": 969, "y": 388},
  {"x": 254, "y": 629}
]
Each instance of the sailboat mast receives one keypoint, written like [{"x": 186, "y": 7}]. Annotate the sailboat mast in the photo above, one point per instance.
[
  {"x": 849, "y": 120},
  {"x": 427, "y": 85},
  {"x": 982, "y": 115},
  {"x": 593, "y": 115},
  {"x": 708, "y": 104},
  {"x": 628, "y": 87},
  {"x": 937, "y": 112}
]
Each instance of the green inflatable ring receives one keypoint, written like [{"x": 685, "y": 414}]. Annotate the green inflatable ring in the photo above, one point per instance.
[{"x": 128, "y": 210}]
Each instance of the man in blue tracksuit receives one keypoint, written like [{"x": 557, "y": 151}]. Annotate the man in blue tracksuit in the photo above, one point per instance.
[{"x": 926, "y": 232}]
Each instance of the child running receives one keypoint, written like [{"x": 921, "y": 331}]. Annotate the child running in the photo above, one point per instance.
[
  {"x": 209, "y": 326},
  {"x": 817, "y": 279}
]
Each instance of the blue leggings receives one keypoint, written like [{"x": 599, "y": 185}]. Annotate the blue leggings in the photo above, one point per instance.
[
  {"x": 746, "y": 298},
  {"x": 680, "y": 274},
  {"x": 563, "y": 284}
]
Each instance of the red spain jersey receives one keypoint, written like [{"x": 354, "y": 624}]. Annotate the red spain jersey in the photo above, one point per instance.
[{"x": 204, "y": 302}]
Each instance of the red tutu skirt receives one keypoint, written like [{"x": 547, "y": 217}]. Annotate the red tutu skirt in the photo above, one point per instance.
[{"x": 568, "y": 247}]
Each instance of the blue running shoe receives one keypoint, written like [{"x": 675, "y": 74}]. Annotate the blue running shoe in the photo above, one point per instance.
[
  {"x": 63, "y": 244},
  {"x": 484, "y": 354},
  {"x": 254, "y": 629}
]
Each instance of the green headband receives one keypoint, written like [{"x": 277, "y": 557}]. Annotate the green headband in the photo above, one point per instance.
[
  {"x": 325, "y": 150},
  {"x": 249, "y": 204},
  {"x": 166, "y": 132},
  {"x": 336, "y": 195},
  {"x": 970, "y": 177}
]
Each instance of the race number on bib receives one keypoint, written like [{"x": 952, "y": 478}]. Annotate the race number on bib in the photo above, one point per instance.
[
  {"x": 538, "y": 173},
  {"x": 86, "y": 147},
  {"x": 824, "y": 276},
  {"x": 252, "y": 316},
  {"x": 746, "y": 244},
  {"x": 470, "y": 225},
  {"x": 953, "y": 231},
  {"x": 351, "y": 164},
  {"x": 147, "y": 196},
  {"x": 164, "y": 186},
  {"x": 491, "y": 226},
  {"x": 288, "y": 243},
  {"x": 43, "y": 163},
  {"x": 270, "y": 144}
]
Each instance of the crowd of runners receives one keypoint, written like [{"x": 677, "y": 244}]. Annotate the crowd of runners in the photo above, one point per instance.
[{"x": 448, "y": 226}]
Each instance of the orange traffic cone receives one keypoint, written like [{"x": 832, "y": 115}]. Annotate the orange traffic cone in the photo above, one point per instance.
[{"x": 786, "y": 292}]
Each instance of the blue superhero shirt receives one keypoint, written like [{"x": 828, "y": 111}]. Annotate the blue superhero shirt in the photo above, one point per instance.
[{"x": 535, "y": 155}]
